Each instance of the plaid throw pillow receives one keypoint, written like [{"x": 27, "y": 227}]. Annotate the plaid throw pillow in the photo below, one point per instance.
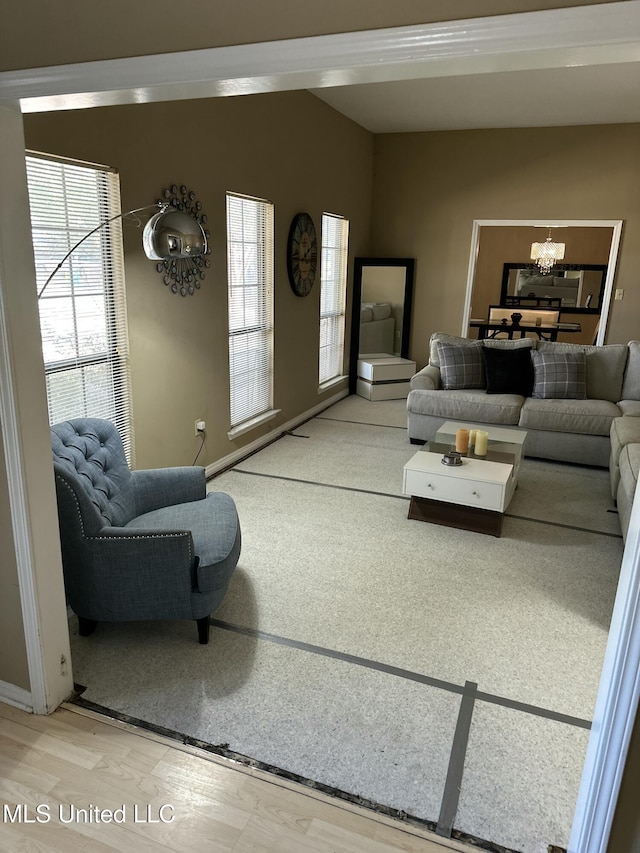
[
  {"x": 559, "y": 375},
  {"x": 461, "y": 366}
]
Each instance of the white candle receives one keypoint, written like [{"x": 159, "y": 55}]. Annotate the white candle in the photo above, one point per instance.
[
  {"x": 482, "y": 438},
  {"x": 472, "y": 437}
]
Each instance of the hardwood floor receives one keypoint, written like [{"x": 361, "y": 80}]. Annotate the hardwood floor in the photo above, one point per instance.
[{"x": 162, "y": 796}]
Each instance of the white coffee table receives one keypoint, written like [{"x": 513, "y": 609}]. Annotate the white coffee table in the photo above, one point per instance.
[{"x": 474, "y": 495}]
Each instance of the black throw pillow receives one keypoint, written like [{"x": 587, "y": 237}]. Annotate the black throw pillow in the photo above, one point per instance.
[{"x": 508, "y": 371}]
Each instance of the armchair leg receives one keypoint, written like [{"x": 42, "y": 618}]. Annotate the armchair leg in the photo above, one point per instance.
[
  {"x": 203, "y": 629},
  {"x": 86, "y": 626}
]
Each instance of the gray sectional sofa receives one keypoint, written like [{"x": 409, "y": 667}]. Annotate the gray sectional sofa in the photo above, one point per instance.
[{"x": 597, "y": 423}]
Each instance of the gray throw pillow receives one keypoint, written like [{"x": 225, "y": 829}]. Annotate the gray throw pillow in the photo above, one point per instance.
[
  {"x": 461, "y": 366},
  {"x": 559, "y": 376}
]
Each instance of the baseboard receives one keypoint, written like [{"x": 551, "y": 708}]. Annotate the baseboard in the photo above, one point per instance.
[
  {"x": 16, "y": 696},
  {"x": 263, "y": 440}
]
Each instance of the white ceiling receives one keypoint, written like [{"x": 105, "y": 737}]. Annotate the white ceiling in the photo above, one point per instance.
[{"x": 596, "y": 94}]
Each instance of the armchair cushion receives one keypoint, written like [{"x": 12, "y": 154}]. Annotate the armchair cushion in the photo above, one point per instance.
[{"x": 215, "y": 512}]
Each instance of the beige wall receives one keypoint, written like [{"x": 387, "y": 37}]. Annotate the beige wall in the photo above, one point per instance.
[
  {"x": 163, "y": 26},
  {"x": 13, "y": 652},
  {"x": 429, "y": 187},
  {"x": 290, "y": 148}
]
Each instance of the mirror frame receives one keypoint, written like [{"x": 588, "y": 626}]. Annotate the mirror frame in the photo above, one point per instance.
[
  {"x": 571, "y": 309},
  {"x": 358, "y": 265},
  {"x": 616, "y": 224}
]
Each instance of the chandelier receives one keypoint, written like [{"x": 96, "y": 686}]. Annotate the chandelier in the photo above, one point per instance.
[{"x": 546, "y": 254}]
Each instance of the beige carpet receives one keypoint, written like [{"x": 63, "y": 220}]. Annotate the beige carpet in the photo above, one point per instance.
[{"x": 353, "y": 641}]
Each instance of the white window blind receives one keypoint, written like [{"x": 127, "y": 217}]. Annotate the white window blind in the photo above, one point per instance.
[
  {"x": 250, "y": 282},
  {"x": 333, "y": 286},
  {"x": 82, "y": 309}
]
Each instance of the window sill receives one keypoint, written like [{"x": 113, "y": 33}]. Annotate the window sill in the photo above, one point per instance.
[
  {"x": 247, "y": 426},
  {"x": 331, "y": 383}
]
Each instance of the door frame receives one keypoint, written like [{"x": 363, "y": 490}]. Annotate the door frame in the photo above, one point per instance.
[{"x": 615, "y": 224}]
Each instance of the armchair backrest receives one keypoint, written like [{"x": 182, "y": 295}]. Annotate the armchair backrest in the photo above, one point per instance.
[{"x": 89, "y": 457}]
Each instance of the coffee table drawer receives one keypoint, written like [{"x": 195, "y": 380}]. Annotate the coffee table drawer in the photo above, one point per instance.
[{"x": 440, "y": 487}]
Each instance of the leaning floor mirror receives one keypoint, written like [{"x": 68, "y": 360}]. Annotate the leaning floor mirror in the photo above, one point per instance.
[{"x": 381, "y": 317}]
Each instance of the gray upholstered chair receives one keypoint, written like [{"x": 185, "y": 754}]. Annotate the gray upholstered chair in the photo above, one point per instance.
[{"x": 147, "y": 544}]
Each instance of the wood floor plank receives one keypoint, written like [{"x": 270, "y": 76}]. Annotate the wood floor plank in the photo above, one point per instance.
[
  {"x": 80, "y": 759},
  {"x": 50, "y": 744}
]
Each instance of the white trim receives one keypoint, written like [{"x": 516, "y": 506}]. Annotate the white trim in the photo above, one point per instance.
[
  {"x": 616, "y": 707},
  {"x": 473, "y": 259},
  {"x": 16, "y": 696},
  {"x": 252, "y": 423},
  {"x": 616, "y": 224},
  {"x": 552, "y": 38},
  {"x": 263, "y": 440},
  {"x": 330, "y": 383},
  {"x": 20, "y": 517},
  {"x": 10, "y": 131},
  {"x": 608, "y": 284}
]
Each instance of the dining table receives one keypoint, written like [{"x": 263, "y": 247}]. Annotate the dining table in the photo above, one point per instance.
[{"x": 545, "y": 331}]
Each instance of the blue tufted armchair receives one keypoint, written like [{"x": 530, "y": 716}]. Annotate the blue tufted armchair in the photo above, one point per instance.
[{"x": 147, "y": 544}]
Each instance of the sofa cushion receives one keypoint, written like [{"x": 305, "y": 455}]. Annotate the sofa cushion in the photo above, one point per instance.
[
  {"x": 467, "y": 406},
  {"x": 630, "y": 464},
  {"x": 623, "y": 431},
  {"x": 508, "y": 371},
  {"x": 605, "y": 367},
  {"x": 366, "y": 314},
  {"x": 631, "y": 383},
  {"x": 630, "y": 407},
  {"x": 628, "y": 483},
  {"x": 559, "y": 375},
  {"x": 583, "y": 417},
  {"x": 452, "y": 339},
  {"x": 629, "y": 468},
  {"x": 460, "y": 366}
]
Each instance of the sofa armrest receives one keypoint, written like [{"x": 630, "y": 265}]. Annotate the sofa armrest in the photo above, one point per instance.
[
  {"x": 427, "y": 379},
  {"x": 154, "y": 488}
]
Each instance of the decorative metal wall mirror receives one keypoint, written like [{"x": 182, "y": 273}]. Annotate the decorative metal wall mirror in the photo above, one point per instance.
[{"x": 177, "y": 239}]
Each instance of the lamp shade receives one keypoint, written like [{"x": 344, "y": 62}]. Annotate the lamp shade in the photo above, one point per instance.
[{"x": 173, "y": 234}]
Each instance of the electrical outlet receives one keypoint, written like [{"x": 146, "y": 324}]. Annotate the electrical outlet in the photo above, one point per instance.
[
  {"x": 619, "y": 293},
  {"x": 199, "y": 426}
]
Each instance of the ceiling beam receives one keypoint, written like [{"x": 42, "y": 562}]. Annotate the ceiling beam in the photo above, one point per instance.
[{"x": 555, "y": 38}]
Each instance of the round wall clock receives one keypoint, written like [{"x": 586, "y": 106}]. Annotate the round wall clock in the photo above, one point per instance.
[{"x": 302, "y": 254}]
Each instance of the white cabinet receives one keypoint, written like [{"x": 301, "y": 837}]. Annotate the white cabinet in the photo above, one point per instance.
[{"x": 384, "y": 377}]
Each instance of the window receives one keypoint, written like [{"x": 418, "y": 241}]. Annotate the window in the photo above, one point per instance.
[
  {"x": 250, "y": 282},
  {"x": 82, "y": 307},
  {"x": 333, "y": 286}
]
